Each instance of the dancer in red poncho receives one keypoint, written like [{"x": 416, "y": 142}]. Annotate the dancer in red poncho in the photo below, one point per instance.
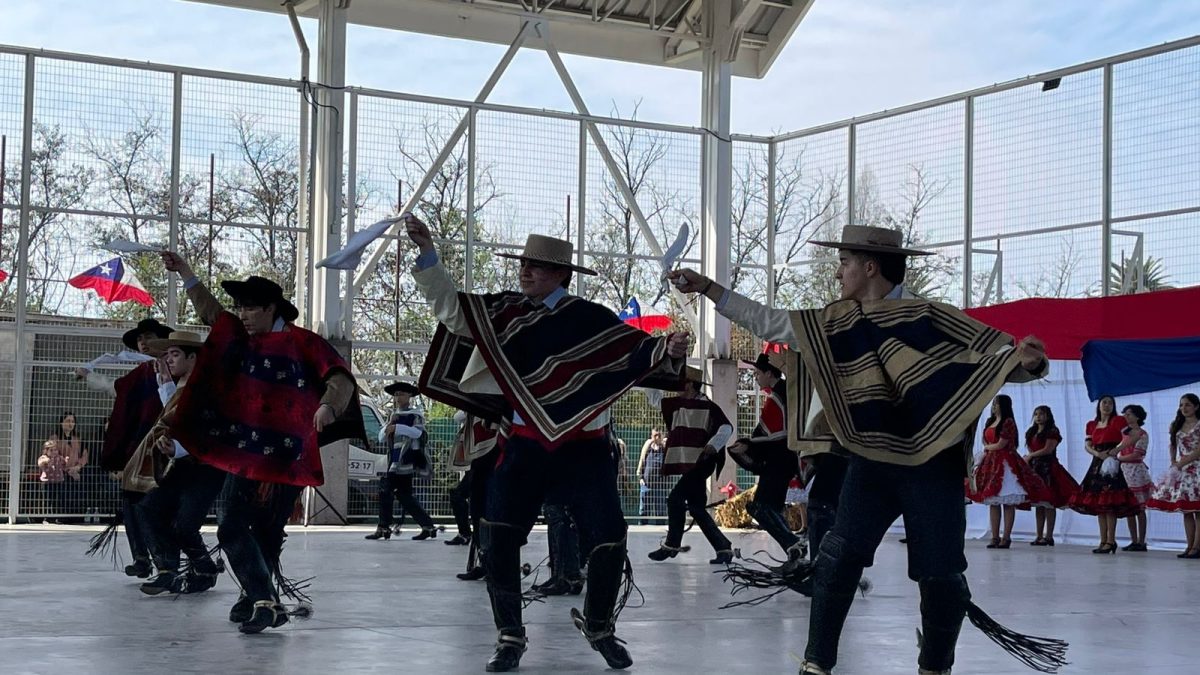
[{"x": 265, "y": 396}]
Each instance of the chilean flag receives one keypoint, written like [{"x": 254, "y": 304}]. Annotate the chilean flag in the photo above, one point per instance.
[
  {"x": 113, "y": 283},
  {"x": 652, "y": 320}
]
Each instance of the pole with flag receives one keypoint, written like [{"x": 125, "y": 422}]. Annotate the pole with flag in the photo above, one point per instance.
[{"x": 113, "y": 282}]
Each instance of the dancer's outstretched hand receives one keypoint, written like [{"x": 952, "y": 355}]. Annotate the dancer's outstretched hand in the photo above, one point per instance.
[
  {"x": 1032, "y": 352},
  {"x": 175, "y": 263},
  {"x": 688, "y": 281},
  {"x": 418, "y": 232},
  {"x": 677, "y": 345}
]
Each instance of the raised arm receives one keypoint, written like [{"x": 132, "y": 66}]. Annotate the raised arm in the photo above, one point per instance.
[
  {"x": 433, "y": 280},
  {"x": 762, "y": 321},
  {"x": 208, "y": 308}
]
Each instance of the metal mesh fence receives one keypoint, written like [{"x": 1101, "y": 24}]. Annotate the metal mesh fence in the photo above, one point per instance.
[{"x": 1008, "y": 184}]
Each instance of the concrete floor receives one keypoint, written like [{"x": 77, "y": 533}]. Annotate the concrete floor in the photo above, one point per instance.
[{"x": 396, "y": 607}]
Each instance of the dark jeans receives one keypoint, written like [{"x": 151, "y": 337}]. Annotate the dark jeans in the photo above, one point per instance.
[
  {"x": 580, "y": 475},
  {"x": 174, "y": 511},
  {"x": 829, "y": 473},
  {"x": 564, "y": 542},
  {"x": 690, "y": 495},
  {"x": 135, "y": 529},
  {"x": 652, "y": 497},
  {"x": 930, "y": 498},
  {"x": 402, "y": 487},
  {"x": 251, "y": 531},
  {"x": 460, "y": 504},
  {"x": 771, "y": 495}
]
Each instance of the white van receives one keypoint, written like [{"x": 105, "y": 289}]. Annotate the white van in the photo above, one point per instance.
[{"x": 365, "y": 464}]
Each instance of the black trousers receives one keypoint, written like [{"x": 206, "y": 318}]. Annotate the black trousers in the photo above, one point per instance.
[
  {"x": 823, "y": 494},
  {"x": 563, "y": 539},
  {"x": 402, "y": 488},
  {"x": 135, "y": 533},
  {"x": 771, "y": 495},
  {"x": 690, "y": 495},
  {"x": 460, "y": 504},
  {"x": 174, "y": 511},
  {"x": 251, "y": 533},
  {"x": 874, "y": 494},
  {"x": 580, "y": 475}
]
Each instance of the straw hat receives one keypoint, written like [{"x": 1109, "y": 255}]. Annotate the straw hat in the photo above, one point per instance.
[
  {"x": 177, "y": 338},
  {"x": 541, "y": 248},
  {"x": 871, "y": 239}
]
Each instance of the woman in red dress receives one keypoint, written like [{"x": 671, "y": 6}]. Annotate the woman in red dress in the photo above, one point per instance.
[
  {"x": 1003, "y": 480},
  {"x": 1042, "y": 439},
  {"x": 1105, "y": 495}
]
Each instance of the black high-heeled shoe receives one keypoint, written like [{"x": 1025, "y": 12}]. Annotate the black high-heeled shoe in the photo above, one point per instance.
[
  {"x": 1105, "y": 548},
  {"x": 1038, "y": 542},
  {"x": 1049, "y": 541},
  {"x": 380, "y": 532},
  {"x": 1194, "y": 555},
  {"x": 995, "y": 543}
]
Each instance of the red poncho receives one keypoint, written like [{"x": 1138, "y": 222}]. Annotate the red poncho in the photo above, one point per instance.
[
  {"x": 134, "y": 412},
  {"x": 249, "y": 404}
]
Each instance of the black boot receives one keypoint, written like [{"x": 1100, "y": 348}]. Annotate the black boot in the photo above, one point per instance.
[
  {"x": 381, "y": 532},
  {"x": 836, "y": 580},
  {"x": 141, "y": 568},
  {"x": 241, "y": 610},
  {"x": 943, "y": 607},
  {"x": 426, "y": 533},
  {"x": 473, "y": 574},
  {"x": 772, "y": 521},
  {"x": 267, "y": 614},
  {"x": 459, "y": 540},
  {"x": 509, "y": 649},
  {"x": 665, "y": 551},
  {"x": 723, "y": 558},
  {"x": 500, "y": 548},
  {"x": 162, "y": 582},
  {"x": 597, "y": 622}
]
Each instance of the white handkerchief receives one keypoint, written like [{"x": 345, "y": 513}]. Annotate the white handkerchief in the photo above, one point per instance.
[
  {"x": 126, "y": 246},
  {"x": 349, "y": 257}
]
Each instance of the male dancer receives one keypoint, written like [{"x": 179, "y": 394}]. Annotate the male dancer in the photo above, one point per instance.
[
  {"x": 174, "y": 511},
  {"x": 900, "y": 383},
  {"x": 697, "y": 431},
  {"x": 405, "y": 438},
  {"x": 558, "y": 362},
  {"x": 265, "y": 395},
  {"x": 766, "y": 454},
  {"x": 134, "y": 411}
]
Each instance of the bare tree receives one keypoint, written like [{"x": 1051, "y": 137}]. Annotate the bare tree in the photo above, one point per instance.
[{"x": 56, "y": 184}]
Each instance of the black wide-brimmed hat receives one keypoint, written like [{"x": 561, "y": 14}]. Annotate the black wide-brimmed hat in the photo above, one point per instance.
[
  {"x": 145, "y": 326},
  {"x": 260, "y": 292},
  {"x": 401, "y": 387},
  {"x": 767, "y": 364}
]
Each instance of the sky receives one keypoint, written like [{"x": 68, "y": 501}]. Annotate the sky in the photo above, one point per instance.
[{"x": 845, "y": 59}]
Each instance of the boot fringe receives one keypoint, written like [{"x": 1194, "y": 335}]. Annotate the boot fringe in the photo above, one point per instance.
[
  {"x": 1045, "y": 655},
  {"x": 104, "y": 543},
  {"x": 758, "y": 575}
]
